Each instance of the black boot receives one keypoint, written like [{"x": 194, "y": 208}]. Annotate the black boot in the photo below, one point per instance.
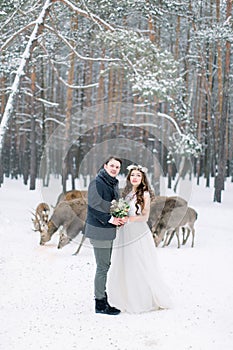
[
  {"x": 102, "y": 307},
  {"x": 112, "y": 308}
]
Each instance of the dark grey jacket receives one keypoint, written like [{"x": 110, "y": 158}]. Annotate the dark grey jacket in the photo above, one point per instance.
[{"x": 102, "y": 190}]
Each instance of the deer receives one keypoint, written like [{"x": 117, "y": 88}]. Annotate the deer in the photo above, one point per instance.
[
  {"x": 170, "y": 223},
  {"x": 70, "y": 213},
  {"x": 70, "y": 217},
  {"x": 41, "y": 216},
  {"x": 70, "y": 195},
  {"x": 163, "y": 205}
]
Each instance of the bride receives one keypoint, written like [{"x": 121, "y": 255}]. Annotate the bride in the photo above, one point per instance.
[{"x": 134, "y": 282}]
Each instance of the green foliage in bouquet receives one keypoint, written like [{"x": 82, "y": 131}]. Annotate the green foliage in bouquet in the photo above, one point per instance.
[{"x": 119, "y": 208}]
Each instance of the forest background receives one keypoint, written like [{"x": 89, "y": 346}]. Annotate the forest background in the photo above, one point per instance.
[{"x": 78, "y": 76}]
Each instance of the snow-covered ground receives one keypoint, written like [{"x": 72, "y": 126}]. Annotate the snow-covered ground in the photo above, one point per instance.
[{"x": 46, "y": 294}]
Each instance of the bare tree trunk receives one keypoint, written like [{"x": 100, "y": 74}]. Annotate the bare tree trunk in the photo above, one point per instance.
[
  {"x": 25, "y": 158},
  {"x": 2, "y": 106},
  {"x": 220, "y": 178},
  {"x": 186, "y": 62},
  {"x": 100, "y": 112},
  {"x": 110, "y": 93},
  {"x": 67, "y": 163},
  {"x": 181, "y": 168},
  {"x": 177, "y": 38},
  {"x": 3, "y": 95},
  {"x": 169, "y": 170},
  {"x": 88, "y": 66},
  {"x": 209, "y": 130},
  {"x": 151, "y": 27},
  {"x": 119, "y": 95},
  {"x": 220, "y": 80},
  {"x": 45, "y": 178},
  {"x": 199, "y": 127},
  {"x": 33, "y": 133}
]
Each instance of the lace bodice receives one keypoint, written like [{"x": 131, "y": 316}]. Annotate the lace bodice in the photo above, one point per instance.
[{"x": 131, "y": 199}]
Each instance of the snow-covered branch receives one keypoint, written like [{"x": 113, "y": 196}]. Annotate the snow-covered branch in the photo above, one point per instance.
[
  {"x": 20, "y": 71},
  {"x": 8, "y": 41},
  {"x": 72, "y": 86},
  {"x": 151, "y": 125},
  {"x": 54, "y": 120},
  {"x": 181, "y": 144},
  {"x": 171, "y": 120},
  {"x": 88, "y": 15},
  {"x": 46, "y": 102},
  {"x": 39, "y": 25},
  {"x": 84, "y": 58},
  {"x": 8, "y": 19},
  {"x": 62, "y": 80}
]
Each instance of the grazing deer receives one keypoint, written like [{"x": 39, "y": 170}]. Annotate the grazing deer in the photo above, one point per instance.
[
  {"x": 71, "y": 195},
  {"x": 64, "y": 239},
  {"x": 69, "y": 215},
  {"x": 171, "y": 223},
  {"x": 41, "y": 216},
  {"x": 162, "y": 206}
]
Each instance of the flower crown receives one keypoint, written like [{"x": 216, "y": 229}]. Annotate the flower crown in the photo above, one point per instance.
[{"x": 137, "y": 167}]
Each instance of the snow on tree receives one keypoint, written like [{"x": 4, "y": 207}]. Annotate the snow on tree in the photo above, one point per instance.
[{"x": 152, "y": 72}]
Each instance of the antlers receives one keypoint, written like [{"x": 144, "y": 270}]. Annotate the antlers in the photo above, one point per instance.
[{"x": 41, "y": 217}]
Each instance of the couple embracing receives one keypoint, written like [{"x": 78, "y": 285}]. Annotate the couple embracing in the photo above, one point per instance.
[{"x": 134, "y": 284}]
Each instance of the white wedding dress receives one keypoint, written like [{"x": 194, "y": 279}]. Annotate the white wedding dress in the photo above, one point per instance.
[{"x": 134, "y": 281}]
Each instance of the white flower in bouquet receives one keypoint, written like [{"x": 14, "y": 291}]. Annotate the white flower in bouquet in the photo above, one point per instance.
[{"x": 119, "y": 208}]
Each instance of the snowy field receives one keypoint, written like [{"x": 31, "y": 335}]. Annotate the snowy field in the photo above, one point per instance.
[{"x": 46, "y": 294}]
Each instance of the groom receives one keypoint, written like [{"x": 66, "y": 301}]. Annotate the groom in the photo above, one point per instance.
[{"x": 101, "y": 228}]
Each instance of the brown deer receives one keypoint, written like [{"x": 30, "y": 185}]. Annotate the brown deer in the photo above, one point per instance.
[
  {"x": 170, "y": 223},
  {"x": 70, "y": 195},
  {"x": 41, "y": 216},
  {"x": 163, "y": 205},
  {"x": 69, "y": 215}
]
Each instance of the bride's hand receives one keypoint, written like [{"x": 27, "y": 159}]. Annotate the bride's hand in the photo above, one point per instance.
[
  {"x": 118, "y": 221},
  {"x": 125, "y": 219}
]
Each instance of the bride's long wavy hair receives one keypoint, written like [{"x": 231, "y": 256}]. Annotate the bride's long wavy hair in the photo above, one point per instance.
[{"x": 144, "y": 186}]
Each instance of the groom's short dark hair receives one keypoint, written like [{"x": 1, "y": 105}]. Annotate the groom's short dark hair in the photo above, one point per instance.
[{"x": 115, "y": 158}]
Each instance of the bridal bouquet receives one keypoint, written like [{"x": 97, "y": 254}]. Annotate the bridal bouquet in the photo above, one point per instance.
[{"x": 119, "y": 208}]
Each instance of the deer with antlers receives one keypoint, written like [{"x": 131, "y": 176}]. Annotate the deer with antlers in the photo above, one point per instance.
[{"x": 41, "y": 216}]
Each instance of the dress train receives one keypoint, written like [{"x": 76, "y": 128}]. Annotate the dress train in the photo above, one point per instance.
[{"x": 134, "y": 282}]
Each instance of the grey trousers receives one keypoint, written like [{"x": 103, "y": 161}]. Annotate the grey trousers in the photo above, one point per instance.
[{"x": 103, "y": 252}]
